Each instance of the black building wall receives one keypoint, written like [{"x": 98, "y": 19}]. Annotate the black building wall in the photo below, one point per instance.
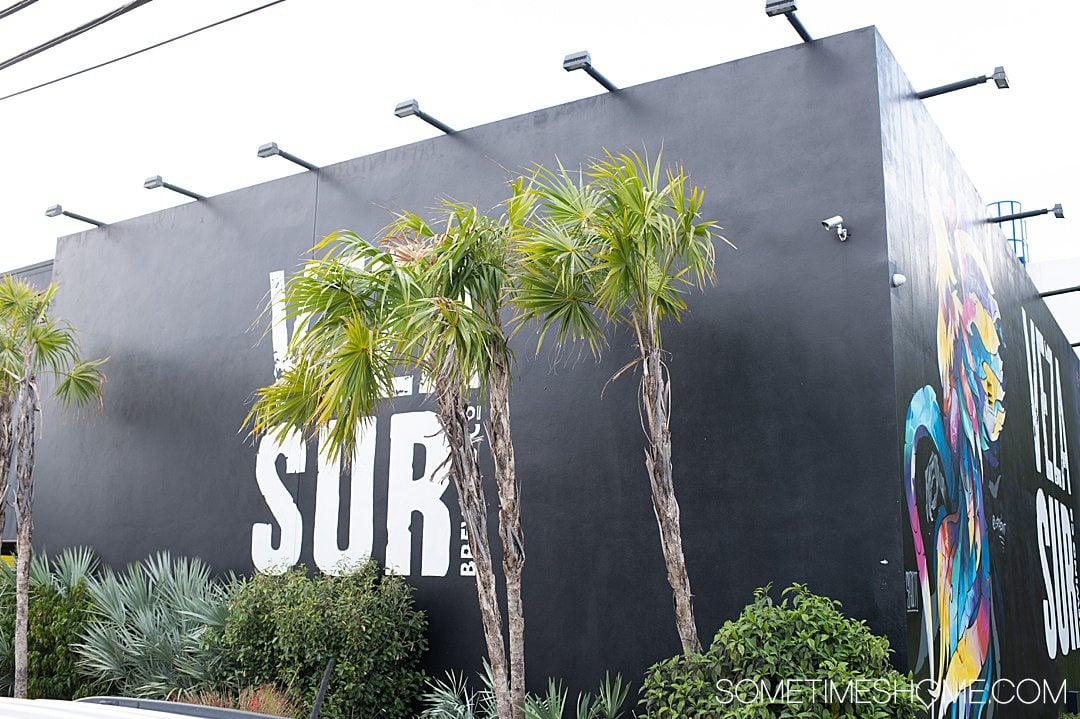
[{"x": 784, "y": 400}]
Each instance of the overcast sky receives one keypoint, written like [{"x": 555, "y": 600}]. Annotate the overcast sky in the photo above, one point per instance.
[{"x": 321, "y": 77}]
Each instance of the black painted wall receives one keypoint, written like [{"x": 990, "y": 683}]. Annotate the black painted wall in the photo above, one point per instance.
[
  {"x": 784, "y": 402},
  {"x": 980, "y": 528}
]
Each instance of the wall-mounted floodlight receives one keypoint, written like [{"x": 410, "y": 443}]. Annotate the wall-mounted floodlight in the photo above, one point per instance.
[
  {"x": 57, "y": 210},
  {"x": 1056, "y": 209},
  {"x": 998, "y": 76},
  {"x": 582, "y": 61},
  {"x": 407, "y": 108},
  {"x": 270, "y": 149},
  {"x": 787, "y": 9},
  {"x": 836, "y": 223},
  {"x": 152, "y": 183}
]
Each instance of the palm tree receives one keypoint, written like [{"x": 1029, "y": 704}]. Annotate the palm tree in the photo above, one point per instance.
[
  {"x": 35, "y": 344},
  {"x": 624, "y": 241},
  {"x": 428, "y": 299}
]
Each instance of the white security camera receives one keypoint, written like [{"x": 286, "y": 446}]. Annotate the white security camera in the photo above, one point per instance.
[{"x": 836, "y": 222}]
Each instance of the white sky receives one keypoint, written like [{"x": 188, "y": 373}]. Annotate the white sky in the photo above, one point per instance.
[{"x": 321, "y": 77}]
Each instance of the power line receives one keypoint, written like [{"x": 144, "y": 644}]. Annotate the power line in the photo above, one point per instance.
[
  {"x": 16, "y": 8},
  {"x": 139, "y": 52},
  {"x": 73, "y": 33}
]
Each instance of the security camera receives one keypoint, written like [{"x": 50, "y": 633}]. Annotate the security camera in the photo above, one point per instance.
[{"x": 836, "y": 222}]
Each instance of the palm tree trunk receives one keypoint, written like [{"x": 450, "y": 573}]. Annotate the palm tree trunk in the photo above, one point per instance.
[
  {"x": 513, "y": 541},
  {"x": 24, "y": 498},
  {"x": 465, "y": 470},
  {"x": 656, "y": 399}
]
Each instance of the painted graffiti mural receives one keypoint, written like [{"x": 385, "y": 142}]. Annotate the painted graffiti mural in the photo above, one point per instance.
[{"x": 951, "y": 459}]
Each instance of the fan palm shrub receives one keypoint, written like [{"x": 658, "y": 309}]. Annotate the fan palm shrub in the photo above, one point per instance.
[
  {"x": 145, "y": 637},
  {"x": 621, "y": 243},
  {"x": 33, "y": 346}
]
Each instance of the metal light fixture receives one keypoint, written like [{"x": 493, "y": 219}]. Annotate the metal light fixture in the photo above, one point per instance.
[
  {"x": 787, "y": 8},
  {"x": 1056, "y": 209},
  {"x": 152, "y": 183},
  {"x": 270, "y": 149},
  {"x": 582, "y": 61},
  {"x": 998, "y": 76},
  {"x": 57, "y": 210},
  {"x": 407, "y": 108}
]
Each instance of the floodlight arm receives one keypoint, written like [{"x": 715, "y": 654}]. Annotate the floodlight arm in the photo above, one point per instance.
[
  {"x": 1056, "y": 209},
  {"x": 182, "y": 191},
  {"x": 82, "y": 218},
  {"x": 1062, "y": 291},
  {"x": 787, "y": 8},
  {"x": 408, "y": 108},
  {"x": 152, "y": 183},
  {"x": 583, "y": 61},
  {"x": 434, "y": 122},
  {"x": 296, "y": 160},
  {"x": 57, "y": 210},
  {"x": 999, "y": 77},
  {"x": 271, "y": 148}
]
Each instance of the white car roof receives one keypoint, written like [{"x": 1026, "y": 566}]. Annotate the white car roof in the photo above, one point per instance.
[{"x": 56, "y": 709}]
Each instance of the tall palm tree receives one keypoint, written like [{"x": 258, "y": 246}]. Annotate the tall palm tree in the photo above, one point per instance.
[
  {"x": 430, "y": 298},
  {"x": 621, "y": 242},
  {"x": 34, "y": 345}
]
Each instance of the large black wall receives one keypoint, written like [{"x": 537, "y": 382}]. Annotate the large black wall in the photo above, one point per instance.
[
  {"x": 968, "y": 305},
  {"x": 783, "y": 397}
]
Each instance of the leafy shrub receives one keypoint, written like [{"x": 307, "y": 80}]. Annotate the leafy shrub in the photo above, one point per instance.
[
  {"x": 146, "y": 635},
  {"x": 284, "y": 628},
  {"x": 803, "y": 637},
  {"x": 451, "y": 698},
  {"x": 59, "y": 609},
  {"x": 265, "y": 699}
]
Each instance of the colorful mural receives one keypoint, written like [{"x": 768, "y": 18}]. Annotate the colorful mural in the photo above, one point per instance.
[{"x": 950, "y": 456}]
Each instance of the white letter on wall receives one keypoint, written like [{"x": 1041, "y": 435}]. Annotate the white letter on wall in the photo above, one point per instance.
[
  {"x": 328, "y": 556},
  {"x": 407, "y": 495},
  {"x": 264, "y": 555}
]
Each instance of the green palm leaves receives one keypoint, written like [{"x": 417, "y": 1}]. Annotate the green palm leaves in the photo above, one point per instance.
[
  {"x": 27, "y": 329},
  {"x": 620, "y": 241}
]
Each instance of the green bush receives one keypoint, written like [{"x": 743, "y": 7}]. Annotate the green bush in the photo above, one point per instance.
[
  {"x": 802, "y": 638},
  {"x": 58, "y": 612},
  {"x": 146, "y": 635},
  {"x": 282, "y": 629}
]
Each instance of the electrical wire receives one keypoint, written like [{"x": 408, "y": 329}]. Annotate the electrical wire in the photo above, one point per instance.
[
  {"x": 16, "y": 8},
  {"x": 74, "y": 33},
  {"x": 139, "y": 52}
]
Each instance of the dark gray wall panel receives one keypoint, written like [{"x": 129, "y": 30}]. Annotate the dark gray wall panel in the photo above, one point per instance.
[{"x": 783, "y": 382}]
